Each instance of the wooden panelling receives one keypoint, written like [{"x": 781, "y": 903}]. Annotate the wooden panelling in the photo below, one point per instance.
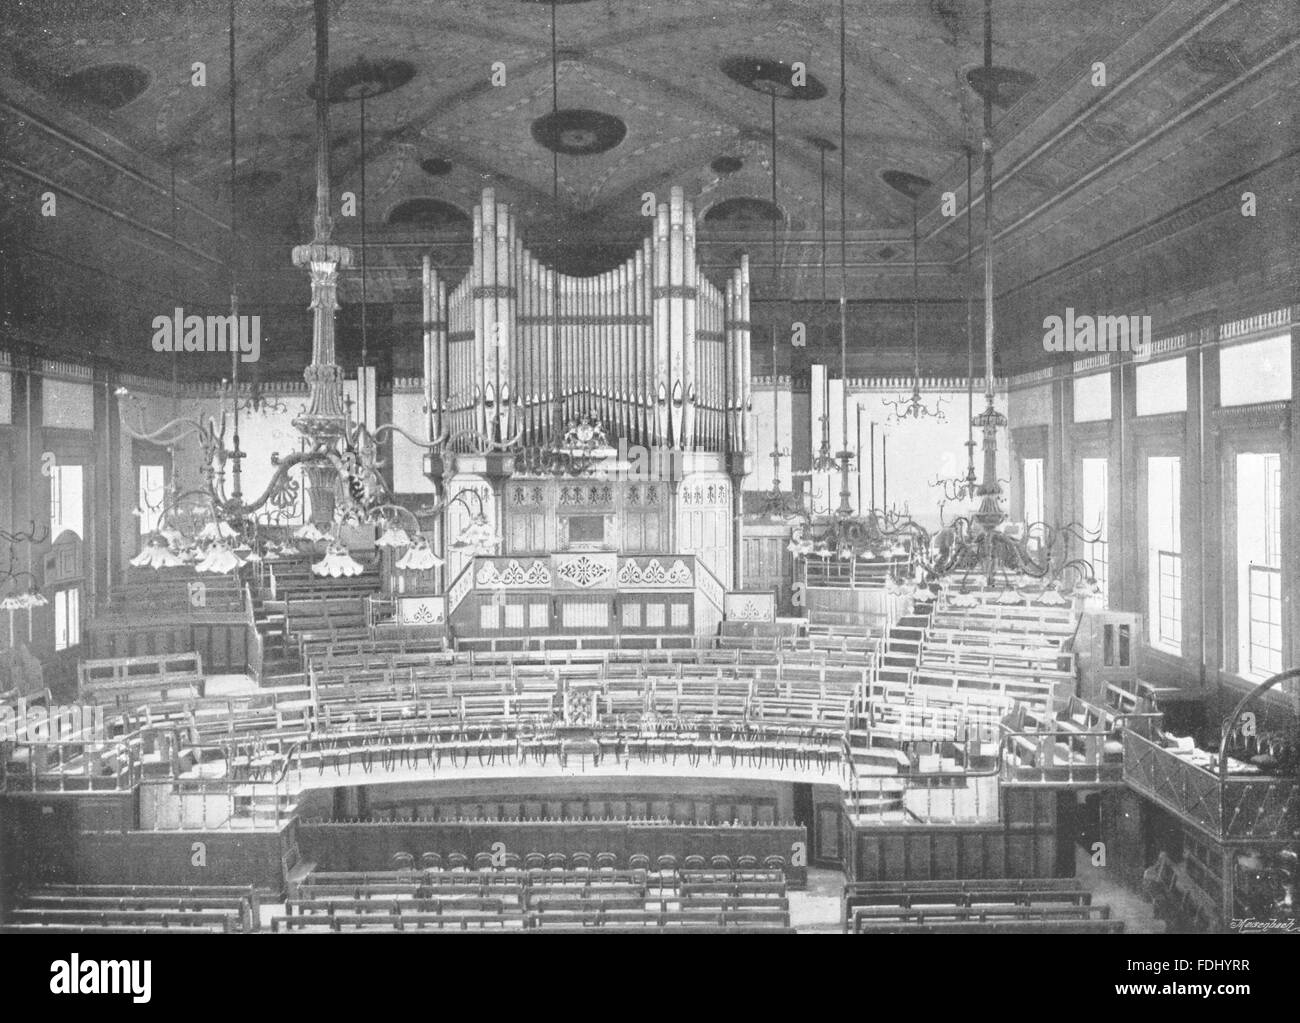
[{"x": 936, "y": 852}]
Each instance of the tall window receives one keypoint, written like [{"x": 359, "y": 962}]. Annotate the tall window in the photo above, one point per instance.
[
  {"x": 67, "y": 618},
  {"x": 1096, "y": 497},
  {"x": 1164, "y": 555},
  {"x": 66, "y": 496},
  {"x": 152, "y": 489},
  {"x": 1259, "y": 564}
]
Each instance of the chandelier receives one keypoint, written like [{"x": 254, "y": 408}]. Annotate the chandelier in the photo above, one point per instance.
[
  {"x": 985, "y": 547},
  {"x": 339, "y": 468},
  {"x": 875, "y": 535}
]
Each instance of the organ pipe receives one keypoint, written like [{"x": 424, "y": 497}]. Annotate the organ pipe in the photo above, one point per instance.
[{"x": 651, "y": 350}]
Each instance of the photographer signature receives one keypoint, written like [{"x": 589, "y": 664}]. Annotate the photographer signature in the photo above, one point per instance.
[{"x": 1250, "y": 925}]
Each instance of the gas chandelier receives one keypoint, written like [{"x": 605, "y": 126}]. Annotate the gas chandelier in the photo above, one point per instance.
[
  {"x": 339, "y": 465},
  {"x": 1019, "y": 559}
]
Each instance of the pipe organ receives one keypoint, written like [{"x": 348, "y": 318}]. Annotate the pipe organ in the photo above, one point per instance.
[
  {"x": 651, "y": 360},
  {"x": 651, "y": 350}
]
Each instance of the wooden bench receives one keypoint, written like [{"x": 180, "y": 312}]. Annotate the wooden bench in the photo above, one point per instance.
[
  {"x": 863, "y": 915},
  {"x": 660, "y": 918},
  {"x": 131, "y": 680},
  {"x": 994, "y": 926},
  {"x": 398, "y": 922},
  {"x": 241, "y": 906},
  {"x": 111, "y": 919}
]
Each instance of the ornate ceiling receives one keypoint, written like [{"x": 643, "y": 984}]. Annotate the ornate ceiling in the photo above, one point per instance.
[{"x": 98, "y": 101}]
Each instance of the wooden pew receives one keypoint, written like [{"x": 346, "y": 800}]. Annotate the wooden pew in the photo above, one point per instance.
[{"x": 135, "y": 680}]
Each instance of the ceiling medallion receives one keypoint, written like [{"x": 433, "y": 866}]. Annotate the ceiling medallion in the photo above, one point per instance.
[
  {"x": 109, "y": 86},
  {"x": 743, "y": 212},
  {"x": 435, "y": 166},
  {"x": 765, "y": 75},
  {"x": 909, "y": 185},
  {"x": 579, "y": 132},
  {"x": 1005, "y": 86},
  {"x": 427, "y": 213},
  {"x": 366, "y": 78}
]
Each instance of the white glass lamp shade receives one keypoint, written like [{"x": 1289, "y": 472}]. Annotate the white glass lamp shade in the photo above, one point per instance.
[
  {"x": 216, "y": 531},
  {"x": 337, "y": 563},
  {"x": 13, "y": 602},
  {"x": 420, "y": 558},
  {"x": 309, "y": 532},
  {"x": 1009, "y": 597},
  {"x": 1052, "y": 597},
  {"x": 394, "y": 536},
  {"x": 963, "y": 600},
  {"x": 478, "y": 535},
  {"x": 157, "y": 554},
  {"x": 218, "y": 559}
]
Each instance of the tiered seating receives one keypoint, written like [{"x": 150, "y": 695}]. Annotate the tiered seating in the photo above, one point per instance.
[
  {"x": 997, "y": 650},
  {"x": 296, "y": 608},
  {"x": 310, "y": 618},
  {"x": 134, "y": 909},
  {"x": 988, "y": 906}
]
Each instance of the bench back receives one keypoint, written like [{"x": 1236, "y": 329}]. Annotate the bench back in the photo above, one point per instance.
[{"x": 111, "y": 678}]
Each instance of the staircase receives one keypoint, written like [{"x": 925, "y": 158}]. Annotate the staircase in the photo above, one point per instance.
[
  {"x": 901, "y": 650},
  {"x": 268, "y": 619}
]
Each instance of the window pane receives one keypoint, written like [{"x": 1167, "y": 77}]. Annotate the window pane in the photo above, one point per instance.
[
  {"x": 1092, "y": 398},
  {"x": 67, "y": 618},
  {"x": 1033, "y": 488},
  {"x": 1164, "y": 554},
  {"x": 66, "y": 501},
  {"x": 1161, "y": 387},
  {"x": 1259, "y": 563},
  {"x": 1255, "y": 372},
  {"x": 1095, "y": 498},
  {"x": 152, "y": 489}
]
